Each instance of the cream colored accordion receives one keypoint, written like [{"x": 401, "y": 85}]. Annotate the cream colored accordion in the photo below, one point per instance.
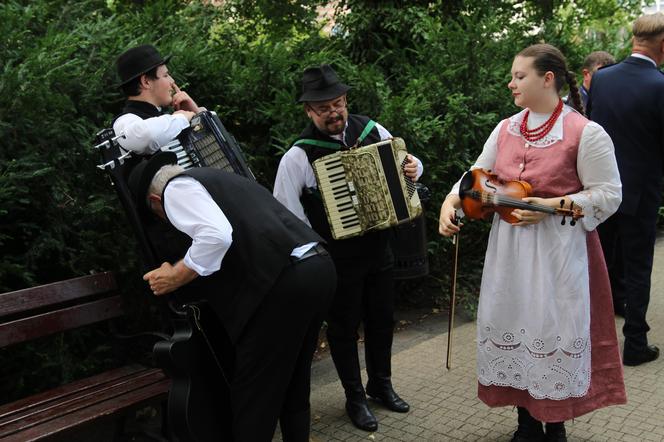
[{"x": 365, "y": 189}]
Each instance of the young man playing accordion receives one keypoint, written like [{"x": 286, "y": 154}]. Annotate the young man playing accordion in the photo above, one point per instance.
[{"x": 149, "y": 88}]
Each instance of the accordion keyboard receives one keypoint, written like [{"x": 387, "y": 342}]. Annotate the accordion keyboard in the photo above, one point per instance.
[
  {"x": 342, "y": 214},
  {"x": 184, "y": 159}
]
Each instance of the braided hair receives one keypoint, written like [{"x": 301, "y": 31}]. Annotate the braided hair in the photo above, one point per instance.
[
  {"x": 574, "y": 92},
  {"x": 549, "y": 58}
]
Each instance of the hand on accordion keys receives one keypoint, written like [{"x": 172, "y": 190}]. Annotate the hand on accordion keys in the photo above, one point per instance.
[{"x": 410, "y": 168}]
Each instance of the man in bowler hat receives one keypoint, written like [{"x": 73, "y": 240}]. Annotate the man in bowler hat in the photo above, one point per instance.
[
  {"x": 263, "y": 272},
  {"x": 627, "y": 99},
  {"x": 365, "y": 290},
  {"x": 149, "y": 88}
]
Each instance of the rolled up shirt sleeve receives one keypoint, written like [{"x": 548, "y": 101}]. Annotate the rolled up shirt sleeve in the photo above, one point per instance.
[
  {"x": 191, "y": 209},
  {"x": 148, "y": 136}
]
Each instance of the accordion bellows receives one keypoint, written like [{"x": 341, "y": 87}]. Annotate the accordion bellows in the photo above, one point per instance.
[{"x": 365, "y": 189}]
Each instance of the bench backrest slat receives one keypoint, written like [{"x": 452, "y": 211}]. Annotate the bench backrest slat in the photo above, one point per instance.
[
  {"x": 68, "y": 318},
  {"x": 43, "y": 296}
]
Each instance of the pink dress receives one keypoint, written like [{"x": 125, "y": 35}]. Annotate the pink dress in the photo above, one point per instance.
[{"x": 546, "y": 332}]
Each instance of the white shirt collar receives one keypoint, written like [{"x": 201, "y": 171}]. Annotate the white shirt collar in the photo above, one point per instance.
[
  {"x": 535, "y": 120},
  {"x": 644, "y": 57}
]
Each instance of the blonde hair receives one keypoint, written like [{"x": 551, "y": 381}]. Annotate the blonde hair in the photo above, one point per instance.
[{"x": 648, "y": 27}]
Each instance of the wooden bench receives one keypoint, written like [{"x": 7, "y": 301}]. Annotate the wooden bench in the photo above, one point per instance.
[{"x": 65, "y": 411}]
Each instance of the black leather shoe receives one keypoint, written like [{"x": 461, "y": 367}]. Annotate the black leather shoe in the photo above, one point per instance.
[
  {"x": 360, "y": 415},
  {"x": 388, "y": 397},
  {"x": 638, "y": 357},
  {"x": 529, "y": 429},
  {"x": 555, "y": 432}
]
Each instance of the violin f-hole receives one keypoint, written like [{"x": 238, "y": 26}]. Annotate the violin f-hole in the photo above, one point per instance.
[{"x": 490, "y": 185}]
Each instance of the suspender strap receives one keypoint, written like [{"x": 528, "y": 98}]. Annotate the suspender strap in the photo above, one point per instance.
[
  {"x": 336, "y": 146},
  {"x": 318, "y": 143},
  {"x": 368, "y": 128}
]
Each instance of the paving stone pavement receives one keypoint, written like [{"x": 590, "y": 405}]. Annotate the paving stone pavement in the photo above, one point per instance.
[{"x": 444, "y": 404}]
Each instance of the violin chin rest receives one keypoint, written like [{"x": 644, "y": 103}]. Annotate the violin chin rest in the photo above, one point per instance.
[{"x": 466, "y": 184}]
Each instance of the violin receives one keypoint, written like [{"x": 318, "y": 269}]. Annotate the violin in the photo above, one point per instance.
[{"x": 482, "y": 194}]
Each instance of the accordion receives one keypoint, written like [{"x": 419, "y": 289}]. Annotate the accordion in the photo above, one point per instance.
[
  {"x": 365, "y": 189},
  {"x": 207, "y": 143}
]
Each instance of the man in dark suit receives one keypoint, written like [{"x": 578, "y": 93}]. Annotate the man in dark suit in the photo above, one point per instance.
[{"x": 627, "y": 99}]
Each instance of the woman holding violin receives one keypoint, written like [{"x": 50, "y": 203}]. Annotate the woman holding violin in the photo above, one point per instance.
[{"x": 546, "y": 339}]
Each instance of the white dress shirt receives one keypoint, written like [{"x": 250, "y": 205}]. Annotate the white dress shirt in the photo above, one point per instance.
[
  {"x": 148, "y": 136},
  {"x": 191, "y": 209}
]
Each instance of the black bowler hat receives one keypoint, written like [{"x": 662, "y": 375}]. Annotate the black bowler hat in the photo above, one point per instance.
[
  {"x": 137, "y": 61},
  {"x": 141, "y": 177},
  {"x": 321, "y": 83}
]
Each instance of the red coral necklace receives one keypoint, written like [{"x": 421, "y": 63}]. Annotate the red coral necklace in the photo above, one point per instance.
[{"x": 541, "y": 131}]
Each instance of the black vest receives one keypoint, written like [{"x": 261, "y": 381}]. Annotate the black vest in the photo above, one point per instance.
[
  {"x": 264, "y": 235},
  {"x": 143, "y": 109},
  {"x": 369, "y": 246}
]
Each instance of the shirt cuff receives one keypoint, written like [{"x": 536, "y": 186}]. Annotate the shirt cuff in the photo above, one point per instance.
[
  {"x": 591, "y": 214},
  {"x": 202, "y": 271},
  {"x": 420, "y": 169}
]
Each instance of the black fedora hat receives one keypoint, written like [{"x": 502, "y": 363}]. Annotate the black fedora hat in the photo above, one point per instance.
[
  {"x": 137, "y": 61},
  {"x": 320, "y": 83},
  {"x": 141, "y": 177}
]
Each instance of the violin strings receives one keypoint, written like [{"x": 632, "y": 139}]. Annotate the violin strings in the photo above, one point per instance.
[{"x": 499, "y": 200}]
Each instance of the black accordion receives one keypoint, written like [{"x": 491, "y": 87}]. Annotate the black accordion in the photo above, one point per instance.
[{"x": 207, "y": 143}]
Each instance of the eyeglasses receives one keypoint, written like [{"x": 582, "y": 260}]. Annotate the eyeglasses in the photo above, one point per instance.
[{"x": 327, "y": 111}]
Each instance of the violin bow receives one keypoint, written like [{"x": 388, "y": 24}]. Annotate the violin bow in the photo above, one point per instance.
[{"x": 450, "y": 319}]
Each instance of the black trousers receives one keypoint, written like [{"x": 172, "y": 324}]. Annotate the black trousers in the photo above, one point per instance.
[
  {"x": 628, "y": 242},
  {"x": 365, "y": 293},
  {"x": 273, "y": 356}
]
